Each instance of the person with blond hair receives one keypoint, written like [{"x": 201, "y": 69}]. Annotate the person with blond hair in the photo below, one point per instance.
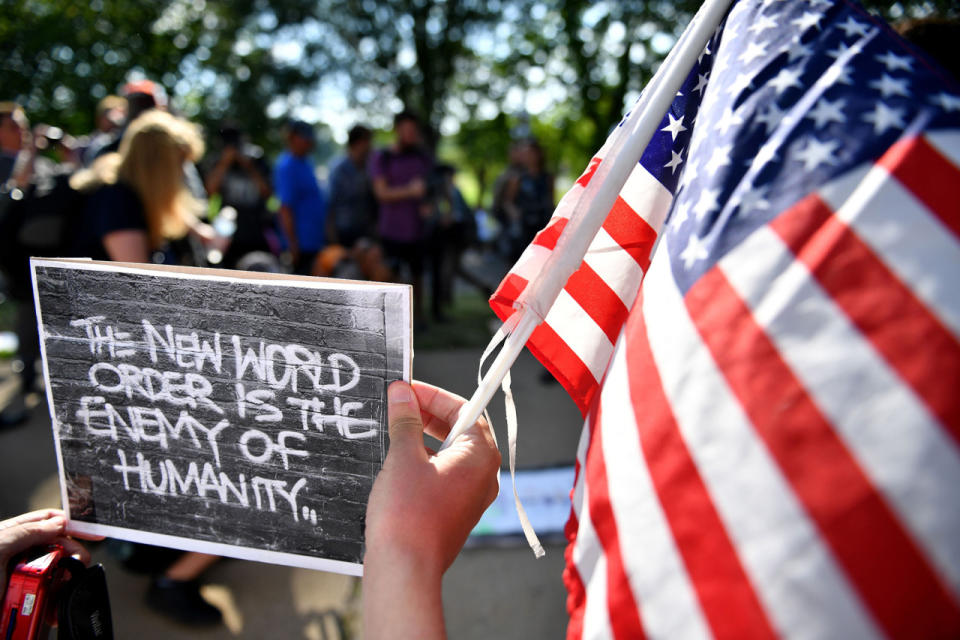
[{"x": 139, "y": 209}]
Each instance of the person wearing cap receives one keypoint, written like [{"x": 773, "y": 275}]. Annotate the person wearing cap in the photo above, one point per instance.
[
  {"x": 303, "y": 205},
  {"x": 140, "y": 96}
]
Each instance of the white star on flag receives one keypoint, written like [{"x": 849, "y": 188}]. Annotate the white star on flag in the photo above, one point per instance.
[
  {"x": 753, "y": 200},
  {"x": 718, "y": 159},
  {"x": 817, "y": 153},
  {"x": 785, "y": 79},
  {"x": 808, "y": 20},
  {"x": 701, "y": 83},
  {"x": 706, "y": 52},
  {"x": 761, "y": 24},
  {"x": 706, "y": 203},
  {"x": 889, "y": 86},
  {"x": 741, "y": 82},
  {"x": 730, "y": 118},
  {"x": 826, "y": 112},
  {"x": 883, "y": 117},
  {"x": 948, "y": 101},
  {"x": 893, "y": 62},
  {"x": 853, "y": 28},
  {"x": 797, "y": 49},
  {"x": 695, "y": 251},
  {"x": 674, "y": 162},
  {"x": 675, "y": 126},
  {"x": 754, "y": 50},
  {"x": 840, "y": 51},
  {"x": 771, "y": 117}
]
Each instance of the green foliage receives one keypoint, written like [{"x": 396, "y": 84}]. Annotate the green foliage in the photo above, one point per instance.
[
  {"x": 59, "y": 57},
  {"x": 480, "y": 147},
  {"x": 405, "y": 53},
  {"x": 476, "y": 65}
]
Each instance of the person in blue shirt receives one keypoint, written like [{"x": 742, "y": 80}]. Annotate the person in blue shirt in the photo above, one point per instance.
[
  {"x": 303, "y": 205},
  {"x": 353, "y": 207}
]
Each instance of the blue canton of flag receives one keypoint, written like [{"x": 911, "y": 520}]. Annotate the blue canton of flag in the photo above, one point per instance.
[{"x": 801, "y": 92}]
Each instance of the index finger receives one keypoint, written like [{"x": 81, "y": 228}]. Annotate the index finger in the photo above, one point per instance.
[
  {"x": 33, "y": 516},
  {"x": 439, "y": 409}
]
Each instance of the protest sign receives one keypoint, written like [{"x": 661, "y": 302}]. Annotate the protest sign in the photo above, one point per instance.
[{"x": 240, "y": 414}]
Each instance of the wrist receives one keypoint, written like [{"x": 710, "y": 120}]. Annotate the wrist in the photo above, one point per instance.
[
  {"x": 417, "y": 562},
  {"x": 402, "y": 597}
]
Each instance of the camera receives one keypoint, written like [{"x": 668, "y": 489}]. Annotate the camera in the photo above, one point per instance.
[{"x": 46, "y": 585}]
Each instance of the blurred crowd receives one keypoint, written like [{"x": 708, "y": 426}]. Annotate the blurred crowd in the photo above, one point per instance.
[{"x": 140, "y": 188}]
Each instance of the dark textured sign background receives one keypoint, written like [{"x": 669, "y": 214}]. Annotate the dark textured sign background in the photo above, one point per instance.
[{"x": 242, "y": 412}]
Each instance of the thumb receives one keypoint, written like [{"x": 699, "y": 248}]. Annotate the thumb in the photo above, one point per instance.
[{"x": 403, "y": 418}]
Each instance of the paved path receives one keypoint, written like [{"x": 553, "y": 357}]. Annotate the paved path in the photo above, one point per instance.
[{"x": 499, "y": 592}]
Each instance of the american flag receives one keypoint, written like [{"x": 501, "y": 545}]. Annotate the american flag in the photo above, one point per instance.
[{"x": 772, "y": 436}]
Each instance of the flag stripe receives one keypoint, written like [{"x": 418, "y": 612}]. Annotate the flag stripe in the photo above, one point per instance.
[
  {"x": 592, "y": 567},
  {"x": 604, "y": 288},
  {"x": 655, "y": 570},
  {"x": 867, "y": 539},
  {"x": 529, "y": 265},
  {"x": 565, "y": 365},
  {"x": 914, "y": 342},
  {"x": 858, "y": 391},
  {"x": 776, "y": 541},
  {"x": 929, "y": 176},
  {"x": 598, "y": 300},
  {"x": 548, "y": 236},
  {"x": 576, "y": 592},
  {"x": 647, "y": 196},
  {"x": 591, "y": 169},
  {"x": 624, "y": 612},
  {"x": 634, "y": 235},
  {"x": 947, "y": 144},
  {"x": 580, "y": 333},
  {"x": 896, "y": 225},
  {"x": 708, "y": 554},
  {"x": 502, "y": 301},
  {"x": 620, "y": 271}
]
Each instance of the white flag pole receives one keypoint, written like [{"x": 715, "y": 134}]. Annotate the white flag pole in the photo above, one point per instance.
[{"x": 599, "y": 197}]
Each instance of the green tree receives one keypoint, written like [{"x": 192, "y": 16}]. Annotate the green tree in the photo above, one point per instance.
[
  {"x": 603, "y": 53},
  {"x": 409, "y": 54},
  {"x": 59, "y": 57}
]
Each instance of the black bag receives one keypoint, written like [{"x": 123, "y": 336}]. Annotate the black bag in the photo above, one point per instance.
[
  {"x": 84, "y": 609},
  {"x": 37, "y": 222}
]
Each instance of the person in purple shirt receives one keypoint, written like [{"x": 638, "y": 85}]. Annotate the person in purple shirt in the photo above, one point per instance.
[
  {"x": 303, "y": 206},
  {"x": 400, "y": 176}
]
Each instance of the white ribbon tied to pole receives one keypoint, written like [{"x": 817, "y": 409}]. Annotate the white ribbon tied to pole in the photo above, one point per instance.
[{"x": 588, "y": 215}]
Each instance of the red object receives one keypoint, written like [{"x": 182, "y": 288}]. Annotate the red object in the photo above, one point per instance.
[
  {"x": 148, "y": 87},
  {"x": 29, "y": 597}
]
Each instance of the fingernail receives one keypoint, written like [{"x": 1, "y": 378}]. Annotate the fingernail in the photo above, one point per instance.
[{"x": 399, "y": 393}]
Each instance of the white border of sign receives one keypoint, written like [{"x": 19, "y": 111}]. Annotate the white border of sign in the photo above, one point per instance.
[{"x": 221, "y": 275}]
